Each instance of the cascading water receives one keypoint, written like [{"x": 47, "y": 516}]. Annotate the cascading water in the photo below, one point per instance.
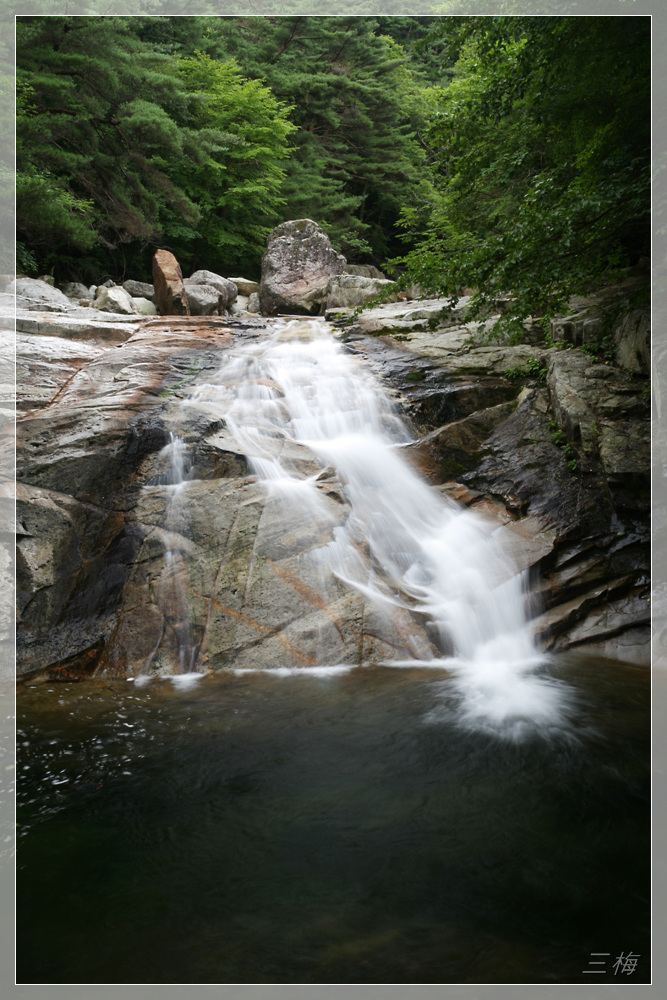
[
  {"x": 404, "y": 545},
  {"x": 174, "y": 584}
]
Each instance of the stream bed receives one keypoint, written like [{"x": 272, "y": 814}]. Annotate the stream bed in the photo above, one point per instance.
[{"x": 331, "y": 826}]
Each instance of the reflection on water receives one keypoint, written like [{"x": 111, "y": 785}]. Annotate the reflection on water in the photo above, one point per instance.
[{"x": 329, "y": 829}]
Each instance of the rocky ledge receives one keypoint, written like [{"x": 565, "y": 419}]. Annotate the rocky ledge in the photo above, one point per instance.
[{"x": 548, "y": 442}]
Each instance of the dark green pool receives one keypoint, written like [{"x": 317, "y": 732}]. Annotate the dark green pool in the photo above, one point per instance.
[{"x": 263, "y": 829}]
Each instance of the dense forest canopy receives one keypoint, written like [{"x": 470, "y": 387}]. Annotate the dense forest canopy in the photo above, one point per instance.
[{"x": 509, "y": 155}]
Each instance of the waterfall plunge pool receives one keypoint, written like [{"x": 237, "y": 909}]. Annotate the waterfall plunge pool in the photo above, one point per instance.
[{"x": 340, "y": 828}]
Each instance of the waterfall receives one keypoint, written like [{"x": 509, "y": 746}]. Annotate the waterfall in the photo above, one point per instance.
[
  {"x": 174, "y": 584},
  {"x": 403, "y": 545}
]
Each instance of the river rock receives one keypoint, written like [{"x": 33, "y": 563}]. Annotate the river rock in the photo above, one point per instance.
[
  {"x": 240, "y": 305},
  {"x": 352, "y": 290},
  {"x": 114, "y": 300},
  {"x": 365, "y": 271},
  {"x": 35, "y": 294},
  {"x": 139, "y": 289},
  {"x": 245, "y": 286},
  {"x": 204, "y": 300},
  {"x": 170, "y": 295},
  {"x": 143, "y": 306},
  {"x": 225, "y": 286},
  {"x": 254, "y": 303},
  {"x": 79, "y": 324},
  {"x": 296, "y": 268},
  {"x": 75, "y": 290}
]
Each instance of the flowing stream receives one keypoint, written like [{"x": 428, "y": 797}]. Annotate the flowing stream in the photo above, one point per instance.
[
  {"x": 404, "y": 545},
  {"x": 334, "y": 824}
]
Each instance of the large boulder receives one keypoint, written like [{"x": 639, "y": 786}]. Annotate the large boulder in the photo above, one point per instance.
[
  {"x": 245, "y": 286},
  {"x": 170, "y": 295},
  {"x": 75, "y": 290},
  {"x": 204, "y": 299},
  {"x": 347, "y": 291},
  {"x": 139, "y": 289},
  {"x": 296, "y": 268},
  {"x": 364, "y": 271},
  {"x": 35, "y": 294},
  {"x": 226, "y": 288},
  {"x": 114, "y": 300}
]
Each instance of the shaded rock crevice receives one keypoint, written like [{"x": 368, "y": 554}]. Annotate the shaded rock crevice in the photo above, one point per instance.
[{"x": 537, "y": 436}]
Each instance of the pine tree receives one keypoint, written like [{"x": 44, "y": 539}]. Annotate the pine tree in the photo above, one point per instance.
[
  {"x": 122, "y": 144},
  {"x": 356, "y": 156}
]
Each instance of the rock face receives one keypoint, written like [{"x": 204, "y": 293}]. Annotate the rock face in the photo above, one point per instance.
[
  {"x": 348, "y": 291},
  {"x": 170, "y": 296},
  {"x": 296, "y": 268},
  {"x": 632, "y": 337},
  {"x": 558, "y": 452},
  {"x": 121, "y": 573}
]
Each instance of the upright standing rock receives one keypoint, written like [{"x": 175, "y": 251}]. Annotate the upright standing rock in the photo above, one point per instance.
[
  {"x": 170, "y": 295},
  {"x": 296, "y": 268}
]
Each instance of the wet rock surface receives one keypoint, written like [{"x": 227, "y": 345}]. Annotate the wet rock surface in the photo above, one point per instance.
[
  {"x": 124, "y": 568},
  {"x": 552, "y": 443},
  {"x": 548, "y": 445}
]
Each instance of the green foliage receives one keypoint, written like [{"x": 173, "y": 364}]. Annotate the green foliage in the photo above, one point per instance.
[
  {"x": 358, "y": 101},
  {"x": 236, "y": 177},
  {"x": 122, "y": 146},
  {"x": 531, "y": 367},
  {"x": 559, "y": 438},
  {"x": 536, "y": 369},
  {"x": 541, "y": 149},
  {"x": 26, "y": 262}
]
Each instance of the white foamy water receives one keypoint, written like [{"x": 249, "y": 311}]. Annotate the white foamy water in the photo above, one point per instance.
[
  {"x": 172, "y": 592},
  {"x": 403, "y": 543}
]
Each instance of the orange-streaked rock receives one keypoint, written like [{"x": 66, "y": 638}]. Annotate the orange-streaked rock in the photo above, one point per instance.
[{"x": 170, "y": 296}]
